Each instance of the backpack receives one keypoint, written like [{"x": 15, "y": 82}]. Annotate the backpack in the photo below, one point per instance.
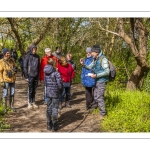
[{"x": 112, "y": 68}]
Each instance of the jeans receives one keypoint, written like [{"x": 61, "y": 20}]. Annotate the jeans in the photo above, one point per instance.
[
  {"x": 45, "y": 98},
  {"x": 66, "y": 91},
  {"x": 5, "y": 89}
]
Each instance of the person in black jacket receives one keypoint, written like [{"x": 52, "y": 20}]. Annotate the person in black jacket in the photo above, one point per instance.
[
  {"x": 14, "y": 54},
  {"x": 31, "y": 68}
]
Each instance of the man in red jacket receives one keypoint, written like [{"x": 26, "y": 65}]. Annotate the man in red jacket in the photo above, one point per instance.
[{"x": 48, "y": 54}]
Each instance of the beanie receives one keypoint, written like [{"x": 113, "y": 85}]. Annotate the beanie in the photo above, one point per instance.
[
  {"x": 88, "y": 50},
  {"x": 96, "y": 48},
  {"x": 47, "y": 50},
  {"x": 5, "y": 50}
]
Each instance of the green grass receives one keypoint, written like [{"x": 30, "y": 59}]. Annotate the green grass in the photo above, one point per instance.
[{"x": 127, "y": 112}]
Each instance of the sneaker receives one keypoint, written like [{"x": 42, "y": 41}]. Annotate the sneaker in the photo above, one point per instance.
[
  {"x": 68, "y": 105},
  {"x": 29, "y": 106},
  {"x": 60, "y": 105},
  {"x": 34, "y": 106}
]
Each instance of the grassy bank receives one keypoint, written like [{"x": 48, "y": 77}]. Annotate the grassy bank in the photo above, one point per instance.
[{"x": 127, "y": 112}]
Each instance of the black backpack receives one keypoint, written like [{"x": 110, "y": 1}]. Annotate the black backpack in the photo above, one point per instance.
[{"x": 112, "y": 68}]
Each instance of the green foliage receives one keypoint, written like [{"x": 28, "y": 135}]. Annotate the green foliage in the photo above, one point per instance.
[
  {"x": 127, "y": 112},
  {"x": 3, "y": 124}
]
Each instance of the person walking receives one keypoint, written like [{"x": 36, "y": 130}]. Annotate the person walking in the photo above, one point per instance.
[
  {"x": 101, "y": 72},
  {"x": 48, "y": 54},
  {"x": 67, "y": 74},
  {"x": 54, "y": 87},
  {"x": 8, "y": 72},
  {"x": 31, "y": 72},
  {"x": 87, "y": 81}
]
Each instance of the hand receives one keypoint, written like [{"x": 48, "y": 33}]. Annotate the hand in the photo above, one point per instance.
[
  {"x": 27, "y": 80},
  {"x": 82, "y": 61},
  {"x": 2, "y": 84},
  {"x": 93, "y": 76}
]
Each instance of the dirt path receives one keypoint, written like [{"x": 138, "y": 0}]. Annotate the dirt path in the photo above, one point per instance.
[{"x": 75, "y": 119}]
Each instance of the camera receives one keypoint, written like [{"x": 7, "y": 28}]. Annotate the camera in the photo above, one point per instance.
[{"x": 9, "y": 73}]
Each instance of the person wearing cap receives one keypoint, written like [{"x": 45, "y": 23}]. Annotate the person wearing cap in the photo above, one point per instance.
[
  {"x": 31, "y": 68},
  {"x": 7, "y": 78},
  {"x": 101, "y": 72},
  {"x": 48, "y": 54},
  {"x": 86, "y": 80}
]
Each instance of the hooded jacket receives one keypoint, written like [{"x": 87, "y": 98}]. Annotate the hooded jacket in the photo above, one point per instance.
[
  {"x": 31, "y": 64},
  {"x": 53, "y": 82}
]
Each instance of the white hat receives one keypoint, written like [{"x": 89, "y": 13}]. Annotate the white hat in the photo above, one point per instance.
[{"x": 47, "y": 50}]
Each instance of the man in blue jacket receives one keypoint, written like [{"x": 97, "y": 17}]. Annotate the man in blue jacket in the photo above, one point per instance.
[
  {"x": 86, "y": 80},
  {"x": 101, "y": 70}
]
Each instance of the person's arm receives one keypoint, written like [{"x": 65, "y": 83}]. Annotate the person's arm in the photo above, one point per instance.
[
  {"x": 1, "y": 74},
  {"x": 90, "y": 66},
  {"x": 25, "y": 67},
  {"x": 106, "y": 69},
  {"x": 59, "y": 81}
]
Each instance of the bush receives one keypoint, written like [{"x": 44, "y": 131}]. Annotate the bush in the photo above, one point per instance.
[{"x": 127, "y": 112}]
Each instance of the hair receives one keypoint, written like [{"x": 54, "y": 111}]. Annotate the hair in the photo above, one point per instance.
[
  {"x": 62, "y": 61},
  {"x": 51, "y": 61},
  {"x": 57, "y": 47},
  {"x": 69, "y": 55}
]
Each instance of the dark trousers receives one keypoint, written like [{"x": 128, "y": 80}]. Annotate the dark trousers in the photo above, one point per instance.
[
  {"x": 32, "y": 85},
  {"x": 89, "y": 96},
  {"x": 52, "y": 109}
]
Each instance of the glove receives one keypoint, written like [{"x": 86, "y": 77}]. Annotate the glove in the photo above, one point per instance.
[{"x": 2, "y": 84}]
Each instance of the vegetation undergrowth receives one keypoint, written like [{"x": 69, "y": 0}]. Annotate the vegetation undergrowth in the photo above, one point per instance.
[
  {"x": 127, "y": 111},
  {"x": 3, "y": 124}
]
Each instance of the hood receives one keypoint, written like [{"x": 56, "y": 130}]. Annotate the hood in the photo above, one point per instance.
[
  {"x": 49, "y": 69},
  {"x": 30, "y": 48}
]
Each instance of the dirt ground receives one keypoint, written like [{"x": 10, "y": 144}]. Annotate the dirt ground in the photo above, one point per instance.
[{"x": 74, "y": 119}]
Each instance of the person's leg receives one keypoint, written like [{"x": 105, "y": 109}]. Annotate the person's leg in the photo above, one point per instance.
[
  {"x": 55, "y": 103},
  {"x": 12, "y": 93},
  {"x": 89, "y": 97},
  {"x": 30, "y": 91},
  {"x": 35, "y": 84},
  {"x": 45, "y": 98},
  {"x": 67, "y": 90},
  {"x": 99, "y": 97},
  {"x": 5, "y": 96},
  {"x": 62, "y": 98},
  {"x": 49, "y": 113}
]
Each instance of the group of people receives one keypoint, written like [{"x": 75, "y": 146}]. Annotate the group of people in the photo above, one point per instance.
[
  {"x": 54, "y": 70},
  {"x": 57, "y": 72}
]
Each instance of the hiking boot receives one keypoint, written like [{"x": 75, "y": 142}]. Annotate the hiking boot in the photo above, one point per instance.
[
  {"x": 11, "y": 104},
  {"x": 60, "y": 105},
  {"x": 49, "y": 125},
  {"x": 68, "y": 105},
  {"x": 29, "y": 106},
  {"x": 35, "y": 106}
]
